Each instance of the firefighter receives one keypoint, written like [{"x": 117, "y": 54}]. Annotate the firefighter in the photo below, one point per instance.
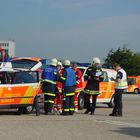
[
  {"x": 120, "y": 85},
  {"x": 79, "y": 85},
  {"x": 93, "y": 76},
  {"x": 59, "y": 89},
  {"x": 49, "y": 81},
  {"x": 68, "y": 79}
]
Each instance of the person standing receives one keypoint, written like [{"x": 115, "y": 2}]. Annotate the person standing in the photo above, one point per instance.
[
  {"x": 36, "y": 106},
  {"x": 68, "y": 79},
  {"x": 120, "y": 85},
  {"x": 49, "y": 81},
  {"x": 93, "y": 76},
  {"x": 59, "y": 89},
  {"x": 79, "y": 85}
]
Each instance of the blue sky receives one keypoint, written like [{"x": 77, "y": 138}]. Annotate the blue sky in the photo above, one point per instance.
[{"x": 72, "y": 29}]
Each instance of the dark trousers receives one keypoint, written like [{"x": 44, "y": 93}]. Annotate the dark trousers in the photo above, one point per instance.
[
  {"x": 118, "y": 102},
  {"x": 90, "y": 106},
  {"x": 68, "y": 105},
  {"x": 36, "y": 105},
  {"x": 48, "y": 88},
  {"x": 48, "y": 103}
]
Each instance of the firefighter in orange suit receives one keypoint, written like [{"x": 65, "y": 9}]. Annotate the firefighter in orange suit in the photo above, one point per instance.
[
  {"x": 79, "y": 85},
  {"x": 59, "y": 89}
]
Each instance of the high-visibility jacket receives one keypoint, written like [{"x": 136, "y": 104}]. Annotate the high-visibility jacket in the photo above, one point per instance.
[
  {"x": 79, "y": 82},
  {"x": 68, "y": 77},
  {"x": 121, "y": 74},
  {"x": 50, "y": 75}
]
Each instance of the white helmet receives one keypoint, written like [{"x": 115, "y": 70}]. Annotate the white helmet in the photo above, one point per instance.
[
  {"x": 96, "y": 60},
  {"x": 67, "y": 62},
  {"x": 59, "y": 63},
  {"x": 53, "y": 62}
]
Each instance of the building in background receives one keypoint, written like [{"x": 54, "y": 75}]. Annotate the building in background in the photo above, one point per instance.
[{"x": 8, "y": 47}]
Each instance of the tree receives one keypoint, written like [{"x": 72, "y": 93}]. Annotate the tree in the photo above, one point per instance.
[{"x": 129, "y": 60}]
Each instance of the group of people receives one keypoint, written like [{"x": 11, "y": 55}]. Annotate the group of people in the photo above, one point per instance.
[{"x": 62, "y": 83}]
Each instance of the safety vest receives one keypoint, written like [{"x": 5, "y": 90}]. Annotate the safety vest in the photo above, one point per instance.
[
  {"x": 123, "y": 82},
  {"x": 50, "y": 75},
  {"x": 70, "y": 77}
]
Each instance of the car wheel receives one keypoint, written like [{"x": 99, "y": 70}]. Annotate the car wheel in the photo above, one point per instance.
[
  {"x": 111, "y": 104},
  {"x": 136, "y": 91},
  {"x": 28, "y": 109},
  {"x": 20, "y": 111}
]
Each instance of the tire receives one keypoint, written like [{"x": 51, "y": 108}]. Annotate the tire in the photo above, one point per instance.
[
  {"x": 136, "y": 91},
  {"x": 20, "y": 111},
  {"x": 28, "y": 109},
  {"x": 111, "y": 104},
  {"x": 81, "y": 101}
]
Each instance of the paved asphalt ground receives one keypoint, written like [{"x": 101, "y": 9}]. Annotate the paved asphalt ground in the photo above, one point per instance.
[{"x": 77, "y": 127}]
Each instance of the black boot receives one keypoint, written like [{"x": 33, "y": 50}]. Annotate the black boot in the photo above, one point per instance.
[{"x": 86, "y": 112}]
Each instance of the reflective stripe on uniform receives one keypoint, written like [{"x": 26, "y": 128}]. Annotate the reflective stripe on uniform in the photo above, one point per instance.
[
  {"x": 71, "y": 109},
  {"x": 49, "y": 81},
  {"x": 78, "y": 90},
  {"x": 50, "y": 94},
  {"x": 49, "y": 101},
  {"x": 77, "y": 82},
  {"x": 63, "y": 78},
  {"x": 91, "y": 92},
  {"x": 55, "y": 73},
  {"x": 121, "y": 85},
  {"x": 60, "y": 90},
  {"x": 66, "y": 110},
  {"x": 70, "y": 94},
  {"x": 75, "y": 103}
]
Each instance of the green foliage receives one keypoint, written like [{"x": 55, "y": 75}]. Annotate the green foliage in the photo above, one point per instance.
[{"x": 129, "y": 60}]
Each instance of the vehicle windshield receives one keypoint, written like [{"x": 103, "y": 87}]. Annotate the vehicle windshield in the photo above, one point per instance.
[
  {"x": 131, "y": 81},
  {"x": 25, "y": 77},
  {"x": 25, "y": 64}
]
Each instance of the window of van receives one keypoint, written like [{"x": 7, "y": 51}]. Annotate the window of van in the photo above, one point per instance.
[
  {"x": 131, "y": 81},
  {"x": 105, "y": 76},
  {"x": 25, "y": 77},
  {"x": 3, "y": 78}
]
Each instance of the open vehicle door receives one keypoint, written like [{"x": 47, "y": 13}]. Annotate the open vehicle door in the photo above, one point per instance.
[{"x": 26, "y": 63}]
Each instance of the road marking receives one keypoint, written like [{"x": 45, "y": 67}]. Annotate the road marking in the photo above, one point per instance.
[{"x": 120, "y": 123}]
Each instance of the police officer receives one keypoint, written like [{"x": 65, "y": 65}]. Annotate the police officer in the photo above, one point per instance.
[
  {"x": 68, "y": 79},
  {"x": 120, "y": 85},
  {"x": 49, "y": 81},
  {"x": 93, "y": 76}
]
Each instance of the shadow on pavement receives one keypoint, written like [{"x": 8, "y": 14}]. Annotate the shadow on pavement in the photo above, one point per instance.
[
  {"x": 7, "y": 112},
  {"x": 131, "y": 131}
]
